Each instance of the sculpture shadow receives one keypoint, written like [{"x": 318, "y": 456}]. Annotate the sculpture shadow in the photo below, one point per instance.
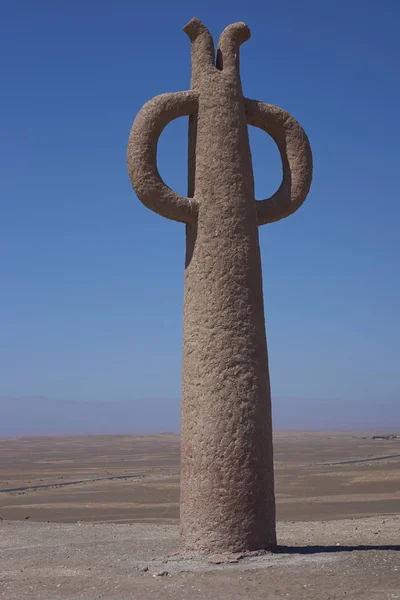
[{"x": 330, "y": 549}]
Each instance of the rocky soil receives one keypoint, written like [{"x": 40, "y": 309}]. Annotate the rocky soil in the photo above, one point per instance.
[{"x": 349, "y": 559}]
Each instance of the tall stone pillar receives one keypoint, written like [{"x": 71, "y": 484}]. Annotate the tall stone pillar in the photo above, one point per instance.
[{"x": 227, "y": 482}]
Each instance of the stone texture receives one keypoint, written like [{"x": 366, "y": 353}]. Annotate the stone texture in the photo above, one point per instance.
[{"x": 227, "y": 484}]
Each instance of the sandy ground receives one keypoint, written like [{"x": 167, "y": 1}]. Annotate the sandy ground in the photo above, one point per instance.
[
  {"x": 96, "y": 517},
  {"x": 319, "y": 476},
  {"x": 355, "y": 558}
]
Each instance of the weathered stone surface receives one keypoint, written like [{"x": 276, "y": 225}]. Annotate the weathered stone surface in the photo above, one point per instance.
[{"x": 227, "y": 485}]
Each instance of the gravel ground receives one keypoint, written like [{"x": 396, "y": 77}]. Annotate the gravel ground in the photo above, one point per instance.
[{"x": 353, "y": 558}]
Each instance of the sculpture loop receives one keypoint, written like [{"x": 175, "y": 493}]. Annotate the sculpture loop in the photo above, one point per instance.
[
  {"x": 142, "y": 155},
  {"x": 296, "y": 157}
]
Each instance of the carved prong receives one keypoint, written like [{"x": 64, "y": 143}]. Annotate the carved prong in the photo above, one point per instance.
[
  {"x": 296, "y": 157},
  {"x": 142, "y": 156},
  {"x": 229, "y": 43},
  {"x": 202, "y": 46}
]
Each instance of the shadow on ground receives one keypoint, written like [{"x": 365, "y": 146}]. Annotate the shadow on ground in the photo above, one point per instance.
[{"x": 318, "y": 549}]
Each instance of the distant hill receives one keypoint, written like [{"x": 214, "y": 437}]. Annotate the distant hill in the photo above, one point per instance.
[
  {"x": 40, "y": 416},
  {"x": 36, "y": 415},
  {"x": 316, "y": 414}
]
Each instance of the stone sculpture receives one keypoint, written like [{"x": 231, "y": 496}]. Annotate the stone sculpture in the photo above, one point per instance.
[{"x": 227, "y": 485}]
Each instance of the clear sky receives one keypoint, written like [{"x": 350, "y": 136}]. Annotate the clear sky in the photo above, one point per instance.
[{"x": 92, "y": 282}]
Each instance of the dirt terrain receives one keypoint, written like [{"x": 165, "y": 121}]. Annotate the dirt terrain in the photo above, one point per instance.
[
  {"x": 319, "y": 476},
  {"x": 350, "y": 559},
  {"x": 97, "y": 517}
]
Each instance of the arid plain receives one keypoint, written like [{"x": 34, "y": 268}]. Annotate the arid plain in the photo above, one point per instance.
[
  {"x": 111, "y": 506},
  {"x": 319, "y": 476}
]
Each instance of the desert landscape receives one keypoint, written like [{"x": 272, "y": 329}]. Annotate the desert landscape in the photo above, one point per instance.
[
  {"x": 97, "y": 517},
  {"x": 125, "y": 479}
]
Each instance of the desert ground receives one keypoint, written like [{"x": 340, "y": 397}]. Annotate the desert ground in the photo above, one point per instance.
[
  {"x": 124, "y": 479},
  {"x": 97, "y": 516}
]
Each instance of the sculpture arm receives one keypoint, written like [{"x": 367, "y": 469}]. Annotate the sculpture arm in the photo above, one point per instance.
[
  {"x": 296, "y": 158},
  {"x": 229, "y": 43},
  {"x": 142, "y": 156}
]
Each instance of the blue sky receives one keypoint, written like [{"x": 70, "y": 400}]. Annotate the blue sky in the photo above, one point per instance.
[{"x": 92, "y": 282}]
